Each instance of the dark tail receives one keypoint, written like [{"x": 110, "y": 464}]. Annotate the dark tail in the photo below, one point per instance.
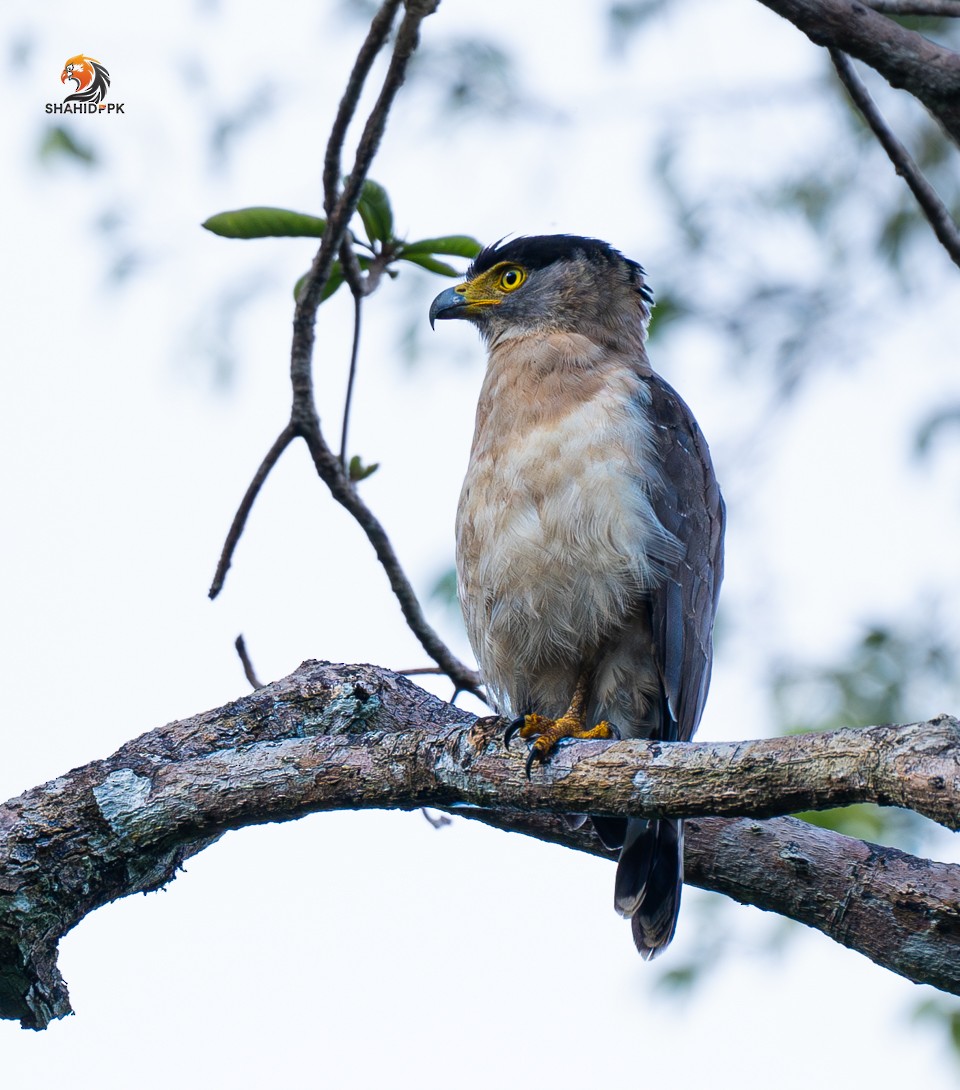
[{"x": 649, "y": 880}]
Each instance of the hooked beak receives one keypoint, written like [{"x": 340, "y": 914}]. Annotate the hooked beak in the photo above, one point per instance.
[{"x": 451, "y": 303}]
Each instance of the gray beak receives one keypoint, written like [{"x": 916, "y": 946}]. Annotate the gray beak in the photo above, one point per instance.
[{"x": 448, "y": 304}]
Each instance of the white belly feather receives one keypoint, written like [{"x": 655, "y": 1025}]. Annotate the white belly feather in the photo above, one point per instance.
[{"x": 554, "y": 533}]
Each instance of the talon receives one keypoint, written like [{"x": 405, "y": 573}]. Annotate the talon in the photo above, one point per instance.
[
  {"x": 615, "y": 733},
  {"x": 531, "y": 757},
  {"x": 512, "y": 730}
]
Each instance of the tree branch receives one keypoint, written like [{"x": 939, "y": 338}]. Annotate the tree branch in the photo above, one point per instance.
[
  {"x": 304, "y": 418},
  {"x": 351, "y": 376},
  {"x": 933, "y": 208},
  {"x": 332, "y": 737},
  {"x": 948, "y": 8},
  {"x": 906, "y": 59},
  {"x": 270, "y": 459},
  {"x": 376, "y": 38}
]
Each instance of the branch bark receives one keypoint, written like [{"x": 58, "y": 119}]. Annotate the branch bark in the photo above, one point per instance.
[
  {"x": 906, "y": 59},
  {"x": 331, "y": 737}
]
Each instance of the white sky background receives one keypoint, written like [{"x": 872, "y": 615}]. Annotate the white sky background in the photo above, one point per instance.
[{"x": 356, "y": 950}]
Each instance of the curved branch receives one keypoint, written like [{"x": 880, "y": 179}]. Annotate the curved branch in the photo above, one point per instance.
[
  {"x": 345, "y": 493},
  {"x": 901, "y": 912},
  {"x": 936, "y": 212},
  {"x": 304, "y": 418},
  {"x": 330, "y": 737},
  {"x": 270, "y": 459},
  {"x": 374, "y": 42},
  {"x": 906, "y": 59}
]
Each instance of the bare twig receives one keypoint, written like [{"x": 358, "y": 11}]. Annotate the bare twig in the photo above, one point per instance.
[
  {"x": 283, "y": 440},
  {"x": 948, "y": 8},
  {"x": 376, "y": 37},
  {"x": 354, "y": 351},
  {"x": 438, "y": 821},
  {"x": 421, "y": 670},
  {"x": 343, "y": 491},
  {"x": 930, "y": 203},
  {"x": 349, "y": 737},
  {"x": 249, "y": 673},
  {"x": 304, "y": 418}
]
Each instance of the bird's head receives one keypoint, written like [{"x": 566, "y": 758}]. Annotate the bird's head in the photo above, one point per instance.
[{"x": 548, "y": 284}]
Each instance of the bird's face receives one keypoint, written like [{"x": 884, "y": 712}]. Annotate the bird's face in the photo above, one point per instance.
[{"x": 547, "y": 284}]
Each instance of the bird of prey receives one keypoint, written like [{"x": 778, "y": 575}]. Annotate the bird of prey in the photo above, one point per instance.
[{"x": 589, "y": 529}]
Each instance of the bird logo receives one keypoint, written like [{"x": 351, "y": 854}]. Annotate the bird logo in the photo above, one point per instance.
[{"x": 91, "y": 78}]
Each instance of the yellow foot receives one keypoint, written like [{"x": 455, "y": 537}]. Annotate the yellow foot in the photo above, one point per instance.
[{"x": 548, "y": 733}]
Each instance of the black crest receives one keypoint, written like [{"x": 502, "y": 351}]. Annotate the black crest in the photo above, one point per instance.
[{"x": 540, "y": 251}]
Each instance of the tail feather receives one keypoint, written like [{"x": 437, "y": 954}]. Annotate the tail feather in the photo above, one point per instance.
[{"x": 649, "y": 881}]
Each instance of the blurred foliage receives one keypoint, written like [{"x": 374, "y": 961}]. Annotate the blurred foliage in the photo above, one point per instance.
[
  {"x": 444, "y": 589},
  {"x": 895, "y": 673},
  {"x": 933, "y": 427},
  {"x": 945, "y": 1015},
  {"x": 58, "y": 144},
  {"x": 357, "y": 471},
  {"x": 471, "y": 75}
]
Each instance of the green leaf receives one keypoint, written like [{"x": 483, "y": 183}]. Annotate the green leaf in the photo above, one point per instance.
[
  {"x": 375, "y": 211},
  {"x": 357, "y": 471},
  {"x": 431, "y": 263},
  {"x": 333, "y": 282},
  {"x": 455, "y": 245},
  {"x": 60, "y": 143},
  {"x": 265, "y": 223},
  {"x": 445, "y": 588}
]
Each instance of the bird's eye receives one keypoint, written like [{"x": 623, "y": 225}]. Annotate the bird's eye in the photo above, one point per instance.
[{"x": 512, "y": 277}]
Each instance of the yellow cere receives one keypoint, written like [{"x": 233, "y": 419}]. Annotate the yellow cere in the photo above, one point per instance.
[{"x": 488, "y": 288}]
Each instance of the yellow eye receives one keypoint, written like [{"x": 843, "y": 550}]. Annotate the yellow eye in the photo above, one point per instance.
[{"x": 512, "y": 277}]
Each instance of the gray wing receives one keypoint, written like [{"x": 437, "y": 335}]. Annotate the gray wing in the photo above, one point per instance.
[
  {"x": 689, "y": 505},
  {"x": 687, "y": 501}
]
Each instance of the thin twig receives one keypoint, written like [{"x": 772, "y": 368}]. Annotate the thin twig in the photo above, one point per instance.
[
  {"x": 271, "y": 458},
  {"x": 949, "y": 8},
  {"x": 357, "y": 310},
  {"x": 421, "y": 670},
  {"x": 251, "y": 675},
  {"x": 343, "y": 491},
  {"x": 304, "y": 418},
  {"x": 376, "y": 36},
  {"x": 930, "y": 203},
  {"x": 438, "y": 821},
  {"x": 304, "y": 322}
]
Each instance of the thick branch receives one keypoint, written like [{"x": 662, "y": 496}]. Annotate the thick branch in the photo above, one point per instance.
[
  {"x": 900, "y": 911},
  {"x": 906, "y": 59},
  {"x": 350, "y": 737},
  {"x": 949, "y": 8}
]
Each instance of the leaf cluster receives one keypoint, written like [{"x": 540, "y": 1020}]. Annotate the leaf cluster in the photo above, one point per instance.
[{"x": 380, "y": 245}]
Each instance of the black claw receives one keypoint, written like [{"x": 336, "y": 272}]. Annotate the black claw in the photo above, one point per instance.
[
  {"x": 615, "y": 731},
  {"x": 512, "y": 730},
  {"x": 531, "y": 757}
]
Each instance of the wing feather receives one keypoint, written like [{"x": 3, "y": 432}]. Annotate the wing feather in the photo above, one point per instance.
[{"x": 689, "y": 506}]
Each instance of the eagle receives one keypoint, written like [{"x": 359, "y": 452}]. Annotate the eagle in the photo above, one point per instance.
[{"x": 589, "y": 530}]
